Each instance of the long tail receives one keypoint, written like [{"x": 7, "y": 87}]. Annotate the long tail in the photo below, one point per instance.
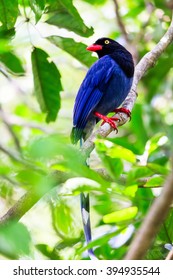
[
  {"x": 85, "y": 210},
  {"x": 84, "y": 198}
]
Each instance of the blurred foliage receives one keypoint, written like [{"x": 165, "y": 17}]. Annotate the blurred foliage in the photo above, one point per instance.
[
  {"x": 42, "y": 63},
  {"x": 15, "y": 241}
]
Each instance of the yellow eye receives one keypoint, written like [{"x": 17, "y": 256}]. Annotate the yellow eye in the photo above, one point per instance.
[{"x": 107, "y": 42}]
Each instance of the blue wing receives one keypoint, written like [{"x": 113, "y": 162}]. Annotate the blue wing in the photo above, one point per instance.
[{"x": 91, "y": 90}]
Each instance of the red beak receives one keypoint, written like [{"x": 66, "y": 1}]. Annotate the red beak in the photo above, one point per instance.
[{"x": 94, "y": 48}]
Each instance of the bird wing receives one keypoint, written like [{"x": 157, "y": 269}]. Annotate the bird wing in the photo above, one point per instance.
[{"x": 91, "y": 90}]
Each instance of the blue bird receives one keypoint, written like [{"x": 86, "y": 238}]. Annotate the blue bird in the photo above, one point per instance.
[{"x": 105, "y": 87}]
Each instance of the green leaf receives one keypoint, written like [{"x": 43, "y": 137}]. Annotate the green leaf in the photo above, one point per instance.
[
  {"x": 62, "y": 219},
  {"x": 143, "y": 199},
  {"x": 65, "y": 222},
  {"x": 29, "y": 177},
  {"x": 6, "y": 34},
  {"x": 156, "y": 141},
  {"x": 14, "y": 240},
  {"x": 4, "y": 45},
  {"x": 4, "y": 169},
  {"x": 138, "y": 173},
  {"x": 123, "y": 153},
  {"x": 130, "y": 190},
  {"x": 155, "y": 182},
  {"x": 126, "y": 143},
  {"x": 156, "y": 252},
  {"x": 138, "y": 127},
  {"x": 12, "y": 62},
  {"x": 158, "y": 169},
  {"x": 166, "y": 232},
  {"x": 77, "y": 50},
  {"x": 8, "y": 13},
  {"x": 121, "y": 215},
  {"x": 159, "y": 157},
  {"x": 40, "y": 3},
  {"x": 6, "y": 190},
  {"x": 67, "y": 156},
  {"x": 38, "y": 8},
  {"x": 115, "y": 151},
  {"x": 47, "y": 84},
  {"x": 65, "y": 15},
  {"x": 48, "y": 251},
  {"x": 113, "y": 165}
]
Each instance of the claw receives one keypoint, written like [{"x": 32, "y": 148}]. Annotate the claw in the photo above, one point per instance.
[
  {"x": 110, "y": 121},
  {"x": 123, "y": 110}
]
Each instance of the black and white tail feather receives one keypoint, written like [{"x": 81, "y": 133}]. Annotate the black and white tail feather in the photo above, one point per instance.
[{"x": 85, "y": 211}]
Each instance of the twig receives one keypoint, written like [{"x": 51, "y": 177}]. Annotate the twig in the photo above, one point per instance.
[
  {"x": 120, "y": 22},
  {"x": 10, "y": 129},
  {"x": 152, "y": 222},
  {"x": 145, "y": 63},
  {"x": 15, "y": 120},
  {"x": 22, "y": 160},
  {"x": 10, "y": 154},
  {"x": 5, "y": 74},
  {"x": 128, "y": 44},
  {"x": 10, "y": 181},
  {"x": 149, "y": 7}
]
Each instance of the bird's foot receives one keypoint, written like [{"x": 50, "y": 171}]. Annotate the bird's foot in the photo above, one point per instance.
[
  {"x": 123, "y": 110},
  {"x": 110, "y": 121}
]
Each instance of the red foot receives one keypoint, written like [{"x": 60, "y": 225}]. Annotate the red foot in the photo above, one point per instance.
[
  {"x": 105, "y": 119},
  {"x": 123, "y": 110}
]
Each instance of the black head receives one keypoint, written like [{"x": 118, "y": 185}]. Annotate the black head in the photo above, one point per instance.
[
  {"x": 104, "y": 46},
  {"x": 107, "y": 46}
]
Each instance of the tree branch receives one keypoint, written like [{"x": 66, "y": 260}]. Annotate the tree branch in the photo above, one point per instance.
[
  {"x": 30, "y": 198},
  {"x": 17, "y": 121},
  {"x": 120, "y": 22},
  {"x": 11, "y": 131},
  {"x": 141, "y": 68},
  {"x": 10, "y": 154},
  {"x": 170, "y": 255},
  {"x": 151, "y": 224},
  {"x": 128, "y": 44}
]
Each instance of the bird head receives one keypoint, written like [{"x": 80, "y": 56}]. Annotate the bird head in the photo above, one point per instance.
[{"x": 104, "y": 46}]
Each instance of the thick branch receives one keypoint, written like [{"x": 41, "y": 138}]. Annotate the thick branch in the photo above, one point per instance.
[
  {"x": 156, "y": 215},
  {"x": 141, "y": 68}
]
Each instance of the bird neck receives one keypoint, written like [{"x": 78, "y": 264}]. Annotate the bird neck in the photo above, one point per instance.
[{"x": 124, "y": 59}]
